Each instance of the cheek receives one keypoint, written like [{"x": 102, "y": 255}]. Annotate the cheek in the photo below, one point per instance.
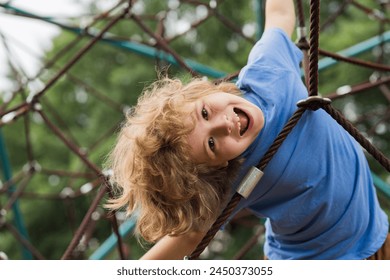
[{"x": 231, "y": 149}]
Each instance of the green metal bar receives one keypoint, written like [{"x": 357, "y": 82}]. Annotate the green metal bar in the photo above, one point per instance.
[
  {"x": 112, "y": 240},
  {"x": 154, "y": 53},
  {"x": 46, "y": 19},
  {"x": 381, "y": 185},
  {"x": 18, "y": 218},
  {"x": 260, "y": 16}
]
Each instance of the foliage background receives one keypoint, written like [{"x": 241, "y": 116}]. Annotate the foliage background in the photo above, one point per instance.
[{"x": 88, "y": 105}]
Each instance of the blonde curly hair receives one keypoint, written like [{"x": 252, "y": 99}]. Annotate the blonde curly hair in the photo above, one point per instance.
[{"x": 158, "y": 181}]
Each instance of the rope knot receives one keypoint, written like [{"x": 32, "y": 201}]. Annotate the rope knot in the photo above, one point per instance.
[
  {"x": 302, "y": 44},
  {"x": 314, "y": 102}
]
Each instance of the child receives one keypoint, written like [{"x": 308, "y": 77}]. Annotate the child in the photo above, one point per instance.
[{"x": 183, "y": 145}]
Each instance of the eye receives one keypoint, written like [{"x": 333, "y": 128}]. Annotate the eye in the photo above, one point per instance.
[
  {"x": 205, "y": 114},
  {"x": 211, "y": 143}
]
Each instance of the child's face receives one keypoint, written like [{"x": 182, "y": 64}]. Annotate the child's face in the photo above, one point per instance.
[{"x": 225, "y": 125}]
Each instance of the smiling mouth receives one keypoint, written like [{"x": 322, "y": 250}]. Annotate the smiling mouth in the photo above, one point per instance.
[{"x": 243, "y": 120}]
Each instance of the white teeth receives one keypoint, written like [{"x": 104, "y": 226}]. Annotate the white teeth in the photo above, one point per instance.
[
  {"x": 242, "y": 120},
  {"x": 238, "y": 122}
]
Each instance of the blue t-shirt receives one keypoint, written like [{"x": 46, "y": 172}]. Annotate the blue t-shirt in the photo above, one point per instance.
[{"x": 317, "y": 192}]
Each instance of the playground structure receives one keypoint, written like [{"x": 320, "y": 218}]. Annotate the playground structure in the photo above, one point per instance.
[{"x": 97, "y": 184}]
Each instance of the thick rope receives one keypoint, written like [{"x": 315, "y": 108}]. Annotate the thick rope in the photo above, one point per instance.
[
  {"x": 378, "y": 155},
  {"x": 313, "y": 86},
  {"x": 316, "y": 102},
  {"x": 302, "y": 42},
  {"x": 313, "y": 48},
  {"x": 26, "y": 107}
]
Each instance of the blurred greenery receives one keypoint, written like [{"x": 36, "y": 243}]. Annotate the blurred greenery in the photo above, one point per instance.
[{"x": 88, "y": 106}]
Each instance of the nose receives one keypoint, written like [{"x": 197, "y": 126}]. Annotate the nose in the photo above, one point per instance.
[{"x": 222, "y": 125}]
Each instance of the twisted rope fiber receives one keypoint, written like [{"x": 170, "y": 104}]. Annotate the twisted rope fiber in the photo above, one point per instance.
[
  {"x": 14, "y": 196},
  {"x": 313, "y": 86},
  {"x": 237, "y": 197},
  {"x": 378, "y": 155},
  {"x": 356, "y": 61},
  {"x": 78, "y": 55},
  {"x": 60, "y": 54},
  {"x": 313, "y": 48},
  {"x": 106, "y": 187},
  {"x": 371, "y": 12},
  {"x": 15, "y": 232},
  {"x": 271, "y": 152},
  {"x": 335, "y": 14},
  {"x": 27, "y": 107},
  {"x": 359, "y": 88},
  {"x": 84, "y": 224},
  {"x": 304, "y": 45}
]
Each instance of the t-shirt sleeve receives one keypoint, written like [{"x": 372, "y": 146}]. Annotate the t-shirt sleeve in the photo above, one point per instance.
[
  {"x": 276, "y": 48},
  {"x": 272, "y": 54}
]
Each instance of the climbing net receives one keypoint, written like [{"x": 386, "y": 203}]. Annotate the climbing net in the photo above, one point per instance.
[{"x": 83, "y": 179}]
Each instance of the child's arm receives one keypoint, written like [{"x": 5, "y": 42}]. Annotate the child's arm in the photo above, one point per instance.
[
  {"x": 280, "y": 13},
  {"x": 174, "y": 247}
]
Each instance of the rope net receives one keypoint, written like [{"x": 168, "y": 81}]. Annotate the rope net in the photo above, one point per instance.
[{"x": 52, "y": 152}]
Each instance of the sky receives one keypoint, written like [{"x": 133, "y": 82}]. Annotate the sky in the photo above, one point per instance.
[{"x": 28, "y": 38}]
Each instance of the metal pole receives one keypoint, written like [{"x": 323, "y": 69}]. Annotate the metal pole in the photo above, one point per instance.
[
  {"x": 110, "y": 243},
  {"x": 260, "y": 16}
]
